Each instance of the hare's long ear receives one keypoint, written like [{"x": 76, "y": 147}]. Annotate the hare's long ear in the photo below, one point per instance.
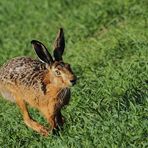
[
  {"x": 42, "y": 52},
  {"x": 59, "y": 45}
]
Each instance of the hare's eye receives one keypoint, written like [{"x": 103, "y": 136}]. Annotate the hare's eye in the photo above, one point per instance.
[{"x": 57, "y": 72}]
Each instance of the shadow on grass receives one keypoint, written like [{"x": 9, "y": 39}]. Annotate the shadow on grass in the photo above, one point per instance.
[{"x": 135, "y": 94}]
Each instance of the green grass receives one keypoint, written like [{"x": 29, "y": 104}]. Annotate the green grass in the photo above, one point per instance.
[{"x": 107, "y": 46}]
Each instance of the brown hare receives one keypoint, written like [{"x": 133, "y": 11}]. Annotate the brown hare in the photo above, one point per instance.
[{"x": 43, "y": 84}]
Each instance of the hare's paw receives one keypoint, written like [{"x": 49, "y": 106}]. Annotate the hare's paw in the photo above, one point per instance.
[{"x": 44, "y": 131}]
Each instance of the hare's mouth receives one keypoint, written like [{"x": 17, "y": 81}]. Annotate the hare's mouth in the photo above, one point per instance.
[{"x": 73, "y": 82}]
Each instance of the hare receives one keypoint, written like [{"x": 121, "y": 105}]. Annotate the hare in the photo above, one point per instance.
[{"x": 43, "y": 84}]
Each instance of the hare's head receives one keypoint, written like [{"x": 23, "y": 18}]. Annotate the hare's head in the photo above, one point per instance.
[{"x": 60, "y": 72}]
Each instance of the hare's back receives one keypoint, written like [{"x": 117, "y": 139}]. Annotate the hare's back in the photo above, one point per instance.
[{"x": 22, "y": 70}]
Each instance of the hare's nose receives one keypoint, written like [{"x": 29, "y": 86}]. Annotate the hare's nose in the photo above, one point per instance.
[{"x": 73, "y": 82}]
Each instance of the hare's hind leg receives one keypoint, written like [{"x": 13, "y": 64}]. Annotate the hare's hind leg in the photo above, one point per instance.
[{"x": 27, "y": 119}]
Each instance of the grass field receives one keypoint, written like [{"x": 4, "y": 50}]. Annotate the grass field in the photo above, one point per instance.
[{"x": 107, "y": 46}]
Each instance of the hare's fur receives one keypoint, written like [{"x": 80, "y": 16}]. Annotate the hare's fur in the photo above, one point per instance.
[{"x": 25, "y": 80}]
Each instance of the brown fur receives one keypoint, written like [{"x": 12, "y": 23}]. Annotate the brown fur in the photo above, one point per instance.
[{"x": 25, "y": 80}]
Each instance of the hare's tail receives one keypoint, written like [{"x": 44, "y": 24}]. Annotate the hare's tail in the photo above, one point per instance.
[{"x": 7, "y": 95}]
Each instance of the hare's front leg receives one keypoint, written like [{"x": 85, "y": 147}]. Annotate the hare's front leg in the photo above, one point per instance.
[
  {"x": 51, "y": 120},
  {"x": 54, "y": 118},
  {"x": 59, "y": 119},
  {"x": 27, "y": 119},
  {"x": 50, "y": 114}
]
